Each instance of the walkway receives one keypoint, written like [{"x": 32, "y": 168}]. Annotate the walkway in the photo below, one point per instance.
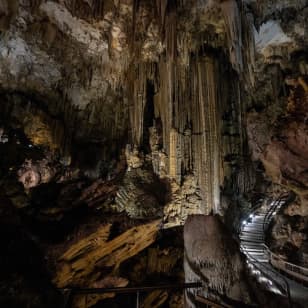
[{"x": 258, "y": 257}]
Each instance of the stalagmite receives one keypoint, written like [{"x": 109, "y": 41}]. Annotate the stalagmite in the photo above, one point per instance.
[{"x": 173, "y": 168}]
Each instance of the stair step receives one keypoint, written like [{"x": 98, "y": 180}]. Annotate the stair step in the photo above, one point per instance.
[
  {"x": 255, "y": 253},
  {"x": 252, "y": 245},
  {"x": 252, "y": 231},
  {"x": 251, "y": 236},
  {"x": 247, "y": 232}
]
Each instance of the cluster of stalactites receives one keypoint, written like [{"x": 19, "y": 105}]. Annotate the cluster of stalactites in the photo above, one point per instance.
[
  {"x": 137, "y": 79},
  {"x": 240, "y": 39},
  {"x": 238, "y": 31},
  {"x": 187, "y": 103},
  {"x": 188, "y": 97}
]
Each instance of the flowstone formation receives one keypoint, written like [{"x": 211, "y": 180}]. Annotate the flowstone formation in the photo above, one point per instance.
[
  {"x": 104, "y": 74},
  {"x": 120, "y": 119},
  {"x": 212, "y": 256}
]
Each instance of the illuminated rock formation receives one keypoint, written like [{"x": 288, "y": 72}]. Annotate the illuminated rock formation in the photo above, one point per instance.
[
  {"x": 115, "y": 114},
  {"x": 212, "y": 257}
]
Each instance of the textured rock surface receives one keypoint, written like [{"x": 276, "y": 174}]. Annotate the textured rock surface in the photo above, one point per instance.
[
  {"x": 210, "y": 254},
  {"x": 117, "y": 113},
  {"x": 96, "y": 251},
  {"x": 276, "y": 128},
  {"x": 185, "y": 201},
  {"x": 100, "y": 73}
]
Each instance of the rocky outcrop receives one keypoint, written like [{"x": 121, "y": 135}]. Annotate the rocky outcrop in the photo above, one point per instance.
[
  {"x": 185, "y": 200},
  {"x": 141, "y": 194},
  {"x": 283, "y": 152},
  {"x": 212, "y": 256},
  {"x": 288, "y": 233},
  {"x": 280, "y": 110},
  {"x": 32, "y": 174},
  {"x": 76, "y": 265},
  {"x": 135, "y": 110},
  {"x": 103, "y": 81}
]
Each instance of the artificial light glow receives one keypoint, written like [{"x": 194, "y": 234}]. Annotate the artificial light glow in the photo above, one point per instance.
[
  {"x": 244, "y": 222},
  {"x": 251, "y": 216},
  {"x": 262, "y": 279},
  {"x": 256, "y": 272}
]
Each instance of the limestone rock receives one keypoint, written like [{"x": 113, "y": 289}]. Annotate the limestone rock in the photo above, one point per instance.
[
  {"x": 137, "y": 198},
  {"x": 76, "y": 265},
  {"x": 211, "y": 255},
  {"x": 133, "y": 158},
  {"x": 155, "y": 299},
  {"x": 185, "y": 201},
  {"x": 32, "y": 174},
  {"x": 80, "y": 301}
]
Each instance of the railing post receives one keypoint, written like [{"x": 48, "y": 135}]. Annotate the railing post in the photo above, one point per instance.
[
  {"x": 86, "y": 300},
  {"x": 137, "y": 299},
  {"x": 289, "y": 294},
  {"x": 67, "y": 298}
]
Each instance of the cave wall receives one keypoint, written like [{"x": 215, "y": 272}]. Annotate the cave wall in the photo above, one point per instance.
[
  {"x": 94, "y": 68},
  {"x": 150, "y": 110},
  {"x": 116, "y": 73}
]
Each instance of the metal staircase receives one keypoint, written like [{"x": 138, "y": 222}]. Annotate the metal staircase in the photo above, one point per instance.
[{"x": 261, "y": 262}]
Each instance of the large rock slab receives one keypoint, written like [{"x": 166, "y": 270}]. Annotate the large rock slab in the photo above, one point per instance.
[{"x": 212, "y": 256}]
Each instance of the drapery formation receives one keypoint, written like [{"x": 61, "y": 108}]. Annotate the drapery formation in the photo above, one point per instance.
[
  {"x": 189, "y": 102},
  {"x": 192, "y": 95}
]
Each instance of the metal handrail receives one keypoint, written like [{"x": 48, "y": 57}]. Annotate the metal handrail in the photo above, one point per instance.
[
  {"x": 259, "y": 266},
  {"x": 301, "y": 270},
  {"x": 285, "y": 287},
  {"x": 124, "y": 290},
  {"x": 246, "y": 217},
  {"x": 272, "y": 210},
  {"x": 287, "y": 266}
]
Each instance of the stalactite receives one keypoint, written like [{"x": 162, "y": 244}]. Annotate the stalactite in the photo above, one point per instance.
[
  {"x": 249, "y": 45},
  {"x": 161, "y": 7},
  {"x": 132, "y": 44},
  {"x": 187, "y": 103},
  {"x": 164, "y": 98},
  {"x": 167, "y": 20},
  {"x": 206, "y": 131},
  {"x": 171, "y": 31},
  {"x": 138, "y": 76},
  {"x": 190, "y": 98},
  {"x": 233, "y": 24}
]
